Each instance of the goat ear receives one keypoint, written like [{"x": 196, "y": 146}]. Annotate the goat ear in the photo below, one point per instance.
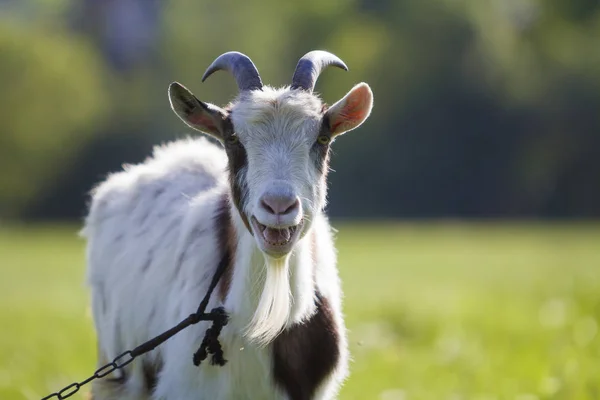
[
  {"x": 351, "y": 111},
  {"x": 203, "y": 117}
]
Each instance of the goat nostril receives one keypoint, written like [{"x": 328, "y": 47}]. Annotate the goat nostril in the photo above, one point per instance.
[
  {"x": 292, "y": 207},
  {"x": 267, "y": 207}
]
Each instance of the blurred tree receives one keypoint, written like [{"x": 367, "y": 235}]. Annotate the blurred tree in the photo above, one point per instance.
[
  {"x": 47, "y": 110},
  {"x": 482, "y": 109}
]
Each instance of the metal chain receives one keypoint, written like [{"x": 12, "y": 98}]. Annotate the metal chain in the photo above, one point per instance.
[
  {"x": 101, "y": 372},
  {"x": 210, "y": 344}
]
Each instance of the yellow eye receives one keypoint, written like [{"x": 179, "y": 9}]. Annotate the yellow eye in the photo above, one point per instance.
[
  {"x": 233, "y": 139},
  {"x": 323, "y": 139}
]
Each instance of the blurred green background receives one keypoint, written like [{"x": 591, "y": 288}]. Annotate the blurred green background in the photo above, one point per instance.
[{"x": 467, "y": 204}]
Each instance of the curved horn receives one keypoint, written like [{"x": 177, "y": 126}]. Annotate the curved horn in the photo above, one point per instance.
[
  {"x": 242, "y": 68},
  {"x": 310, "y": 66}
]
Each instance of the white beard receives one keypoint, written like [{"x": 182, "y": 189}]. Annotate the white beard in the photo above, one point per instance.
[{"x": 273, "y": 309}]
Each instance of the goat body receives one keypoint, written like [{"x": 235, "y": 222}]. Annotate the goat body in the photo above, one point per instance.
[{"x": 157, "y": 231}]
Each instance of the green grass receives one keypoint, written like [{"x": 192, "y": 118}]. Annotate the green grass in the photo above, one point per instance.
[{"x": 435, "y": 311}]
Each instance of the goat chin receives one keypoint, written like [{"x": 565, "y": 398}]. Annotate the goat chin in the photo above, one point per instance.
[{"x": 273, "y": 309}]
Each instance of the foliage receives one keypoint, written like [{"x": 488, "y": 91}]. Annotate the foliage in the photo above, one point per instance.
[
  {"x": 481, "y": 108},
  {"x": 48, "y": 112},
  {"x": 435, "y": 311}
]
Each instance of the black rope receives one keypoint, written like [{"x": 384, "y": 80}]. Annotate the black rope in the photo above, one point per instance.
[{"x": 210, "y": 343}]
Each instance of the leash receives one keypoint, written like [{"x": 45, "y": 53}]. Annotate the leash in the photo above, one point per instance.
[{"x": 210, "y": 343}]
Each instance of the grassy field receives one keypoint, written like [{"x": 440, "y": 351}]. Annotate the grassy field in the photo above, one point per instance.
[{"x": 435, "y": 311}]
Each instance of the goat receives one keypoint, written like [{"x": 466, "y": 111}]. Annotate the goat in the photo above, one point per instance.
[{"x": 156, "y": 232}]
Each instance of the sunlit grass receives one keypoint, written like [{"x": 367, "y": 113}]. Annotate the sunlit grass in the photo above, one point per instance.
[{"x": 435, "y": 311}]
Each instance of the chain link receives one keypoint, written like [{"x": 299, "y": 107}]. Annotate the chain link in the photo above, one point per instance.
[{"x": 101, "y": 372}]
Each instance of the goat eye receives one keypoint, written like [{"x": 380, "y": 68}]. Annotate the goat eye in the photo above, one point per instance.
[
  {"x": 233, "y": 139},
  {"x": 323, "y": 139}
]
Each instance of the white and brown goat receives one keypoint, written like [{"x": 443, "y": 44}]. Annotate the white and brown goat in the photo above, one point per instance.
[{"x": 157, "y": 231}]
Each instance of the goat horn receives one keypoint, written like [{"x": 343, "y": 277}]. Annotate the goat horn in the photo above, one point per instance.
[
  {"x": 310, "y": 66},
  {"x": 243, "y": 69}
]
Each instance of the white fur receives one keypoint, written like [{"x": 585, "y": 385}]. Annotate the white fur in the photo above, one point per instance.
[
  {"x": 152, "y": 251},
  {"x": 273, "y": 309}
]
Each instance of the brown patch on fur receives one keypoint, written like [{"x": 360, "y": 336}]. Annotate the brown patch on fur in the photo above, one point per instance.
[
  {"x": 305, "y": 354},
  {"x": 320, "y": 152},
  {"x": 151, "y": 370},
  {"x": 107, "y": 390},
  {"x": 237, "y": 160},
  {"x": 110, "y": 387},
  {"x": 227, "y": 243}
]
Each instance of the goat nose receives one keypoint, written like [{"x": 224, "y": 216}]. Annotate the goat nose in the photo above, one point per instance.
[{"x": 279, "y": 204}]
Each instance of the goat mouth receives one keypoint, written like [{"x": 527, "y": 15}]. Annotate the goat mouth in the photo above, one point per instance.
[{"x": 276, "y": 240}]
